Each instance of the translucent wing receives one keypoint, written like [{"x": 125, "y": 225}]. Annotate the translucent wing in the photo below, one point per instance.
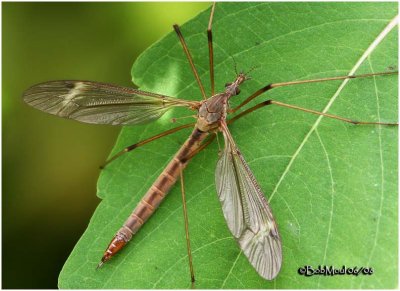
[
  {"x": 100, "y": 103},
  {"x": 247, "y": 213}
]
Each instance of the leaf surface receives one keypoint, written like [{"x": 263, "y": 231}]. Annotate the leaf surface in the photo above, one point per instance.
[{"x": 332, "y": 185}]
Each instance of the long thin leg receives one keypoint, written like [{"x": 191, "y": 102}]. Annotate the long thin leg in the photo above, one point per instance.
[
  {"x": 189, "y": 57},
  {"x": 210, "y": 49},
  {"x": 270, "y": 102},
  {"x": 143, "y": 142},
  {"x": 275, "y": 85},
  {"x": 185, "y": 215}
]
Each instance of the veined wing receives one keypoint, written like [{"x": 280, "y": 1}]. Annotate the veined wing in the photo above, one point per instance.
[
  {"x": 247, "y": 212},
  {"x": 100, "y": 103}
]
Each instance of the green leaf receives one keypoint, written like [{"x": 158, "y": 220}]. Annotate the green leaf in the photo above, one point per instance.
[{"x": 332, "y": 185}]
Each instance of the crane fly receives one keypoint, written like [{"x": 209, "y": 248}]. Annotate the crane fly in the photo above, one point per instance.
[{"x": 246, "y": 210}]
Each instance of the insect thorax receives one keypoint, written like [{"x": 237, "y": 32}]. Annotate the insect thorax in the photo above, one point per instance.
[{"x": 212, "y": 111}]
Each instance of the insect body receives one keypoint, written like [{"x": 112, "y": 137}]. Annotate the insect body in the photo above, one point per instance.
[{"x": 246, "y": 211}]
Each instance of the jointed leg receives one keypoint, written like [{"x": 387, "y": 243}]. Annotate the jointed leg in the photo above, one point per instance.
[
  {"x": 270, "y": 102},
  {"x": 150, "y": 139},
  {"x": 275, "y": 85},
  {"x": 203, "y": 146},
  {"x": 327, "y": 114},
  {"x": 143, "y": 142},
  {"x": 189, "y": 57},
  {"x": 185, "y": 215},
  {"x": 210, "y": 49}
]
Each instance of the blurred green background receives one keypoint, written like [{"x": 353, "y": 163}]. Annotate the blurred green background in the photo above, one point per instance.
[{"x": 50, "y": 165}]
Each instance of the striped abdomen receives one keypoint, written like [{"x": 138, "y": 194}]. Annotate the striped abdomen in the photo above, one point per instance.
[{"x": 155, "y": 194}]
